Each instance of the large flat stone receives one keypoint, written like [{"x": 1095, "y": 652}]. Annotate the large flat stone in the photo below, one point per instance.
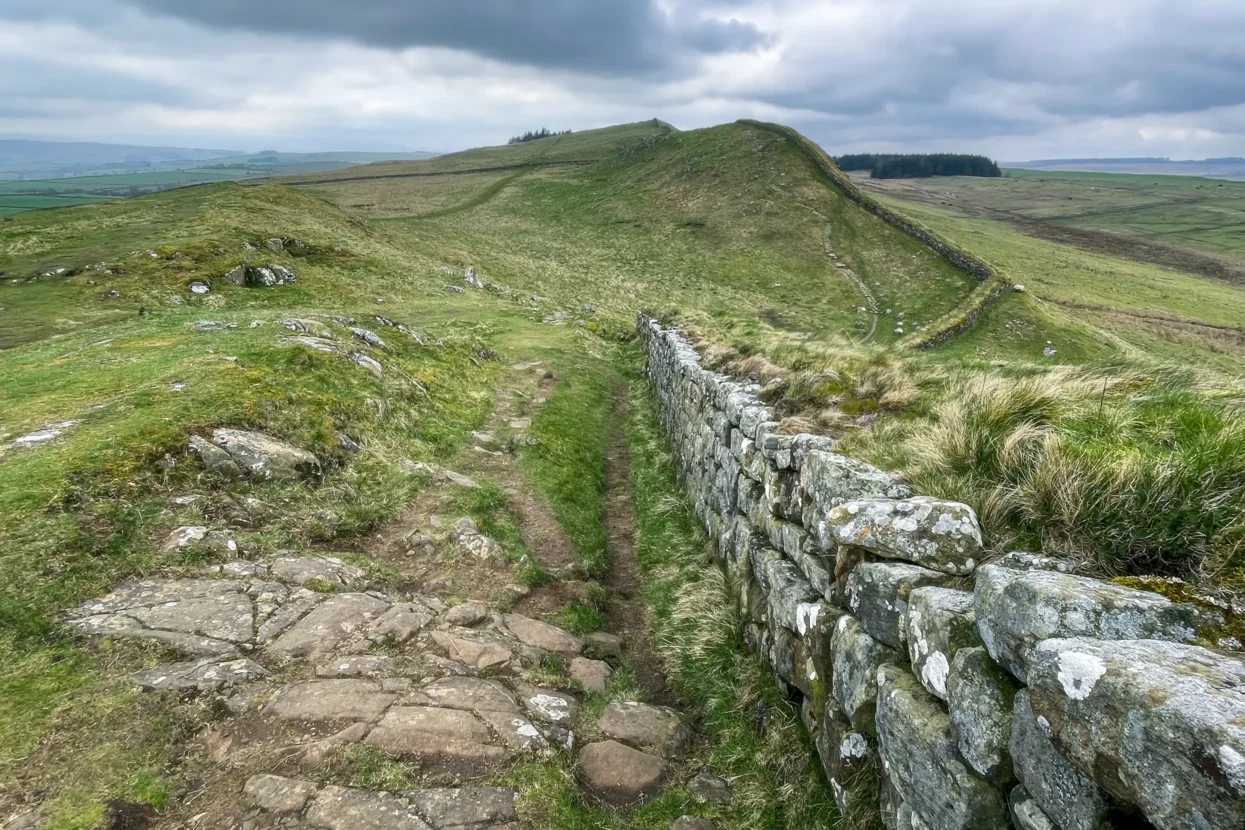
[
  {"x": 620, "y": 775},
  {"x": 435, "y": 734},
  {"x": 330, "y": 624},
  {"x": 207, "y": 675},
  {"x": 917, "y": 744},
  {"x": 469, "y": 693},
  {"x": 1016, "y": 610},
  {"x": 468, "y": 808},
  {"x": 542, "y": 635},
  {"x": 327, "y": 570},
  {"x": 327, "y": 700},
  {"x": 939, "y": 535},
  {"x": 1160, "y": 725},
  {"x": 342, "y": 808},
  {"x": 476, "y": 649}
]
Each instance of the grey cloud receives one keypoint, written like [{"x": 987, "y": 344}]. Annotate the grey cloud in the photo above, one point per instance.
[{"x": 601, "y": 36}]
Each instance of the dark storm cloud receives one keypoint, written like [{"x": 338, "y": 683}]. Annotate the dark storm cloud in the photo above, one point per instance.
[{"x": 600, "y": 36}]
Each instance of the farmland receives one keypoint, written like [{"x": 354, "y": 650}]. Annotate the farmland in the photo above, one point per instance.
[{"x": 1182, "y": 222}]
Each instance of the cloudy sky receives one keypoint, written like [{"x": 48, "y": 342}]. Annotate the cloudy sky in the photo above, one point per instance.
[{"x": 1016, "y": 79}]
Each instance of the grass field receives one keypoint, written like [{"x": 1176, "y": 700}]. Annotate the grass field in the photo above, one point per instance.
[
  {"x": 1181, "y": 222},
  {"x": 726, "y": 229}
]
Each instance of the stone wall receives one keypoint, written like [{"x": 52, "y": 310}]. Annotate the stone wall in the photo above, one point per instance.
[{"x": 942, "y": 691}]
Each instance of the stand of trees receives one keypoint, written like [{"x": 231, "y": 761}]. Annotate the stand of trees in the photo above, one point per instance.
[
  {"x": 532, "y": 135},
  {"x": 919, "y": 165}
]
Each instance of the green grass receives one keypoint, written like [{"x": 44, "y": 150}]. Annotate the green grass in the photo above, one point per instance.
[
  {"x": 723, "y": 228},
  {"x": 567, "y": 462}
]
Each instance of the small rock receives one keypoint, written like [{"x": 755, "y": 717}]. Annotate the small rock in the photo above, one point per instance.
[
  {"x": 708, "y": 788},
  {"x": 691, "y": 823},
  {"x": 620, "y": 775},
  {"x": 199, "y": 287},
  {"x": 594, "y": 675},
  {"x": 279, "y": 795},
  {"x": 467, "y": 614}
]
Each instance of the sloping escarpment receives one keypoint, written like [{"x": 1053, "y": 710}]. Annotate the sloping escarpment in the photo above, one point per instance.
[
  {"x": 822, "y": 162},
  {"x": 941, "y": 691}
]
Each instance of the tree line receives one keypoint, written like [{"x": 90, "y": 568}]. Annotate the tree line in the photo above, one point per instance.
[
  {"x": 919, "y": 165},
  {"x": 532, "y": 135}
]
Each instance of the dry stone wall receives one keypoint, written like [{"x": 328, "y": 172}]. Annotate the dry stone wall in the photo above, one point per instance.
[{"x": 942, "y": 691}]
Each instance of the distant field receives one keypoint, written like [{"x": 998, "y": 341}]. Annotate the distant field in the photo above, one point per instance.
[
  {"x": 1182, "y": 222},
  {"x": 20, "y": 195}
]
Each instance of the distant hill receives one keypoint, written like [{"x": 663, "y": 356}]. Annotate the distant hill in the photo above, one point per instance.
[
  {"x": 26, "y": 159},
  {"x": 1231, "y": 167}
]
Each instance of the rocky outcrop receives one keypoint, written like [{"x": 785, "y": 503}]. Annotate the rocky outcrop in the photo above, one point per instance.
[
  {"x": 236, "y": 452},
  {"x": 874, "y": 608}
]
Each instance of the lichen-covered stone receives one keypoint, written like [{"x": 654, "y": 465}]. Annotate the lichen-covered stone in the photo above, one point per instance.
[
  {"x": 785, "y": 588},
  {"x": 940, "y": 622},
  {"x": 844, "y": 751},
  {"x": 933, "y": 533},
  {"x": 1159, "y": 725},
  {"x": 855, "y": 659},
  {"x": 1016, "y": 610},
  {"x": 1062, "y": 791},
  {"x": 877, "y": 593},
  {"x": 918, "y": 749},
  {"x": 264, "y": 457},
  {"x": 980, "y": 699},
  {"x": 829, "y": 479}
]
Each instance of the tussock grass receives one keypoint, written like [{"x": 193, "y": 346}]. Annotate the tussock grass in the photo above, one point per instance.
[{"x": 1135, "y": 473}]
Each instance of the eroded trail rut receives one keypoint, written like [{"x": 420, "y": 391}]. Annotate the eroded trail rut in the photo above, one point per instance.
[{"x": 348, "y": 699}]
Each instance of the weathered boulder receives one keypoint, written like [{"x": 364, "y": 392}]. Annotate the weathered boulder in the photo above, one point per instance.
[
  {"x": 620, "y": 775},
  {"x": 435, "y": 735},
  {"x": 918, "y": 749},
  {"x": 467, "y": 614},
  {"x": 317, "y": 571},
  {"x": 1062, "y": 791},
  {"x": 644, "y": 726},
  {"x": 1016, "y": 610},
  {"x": 940, "y": 622},
  {"x": 1160, "y": 725},
  {"x": 855, "y": 659},
  {"x": 936, "y": 534},
  {"x": 262, "y": 456},
  {"x": 980, "y": 698},
  {"x": 214, "y": 458},
  {"x": 877, "y": 593}
]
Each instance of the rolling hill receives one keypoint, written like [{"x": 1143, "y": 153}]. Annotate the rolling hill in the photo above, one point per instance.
[{"x": 474, "y": 312}]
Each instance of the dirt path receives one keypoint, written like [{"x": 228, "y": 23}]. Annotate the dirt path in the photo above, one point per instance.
[{"x": 628, "y": 616}]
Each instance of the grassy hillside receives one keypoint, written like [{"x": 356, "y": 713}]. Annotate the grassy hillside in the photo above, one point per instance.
[{"x": 735, "y": 231}]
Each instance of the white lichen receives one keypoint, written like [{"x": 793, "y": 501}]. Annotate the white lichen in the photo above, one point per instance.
[{"x": 1079, "y": 673}]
